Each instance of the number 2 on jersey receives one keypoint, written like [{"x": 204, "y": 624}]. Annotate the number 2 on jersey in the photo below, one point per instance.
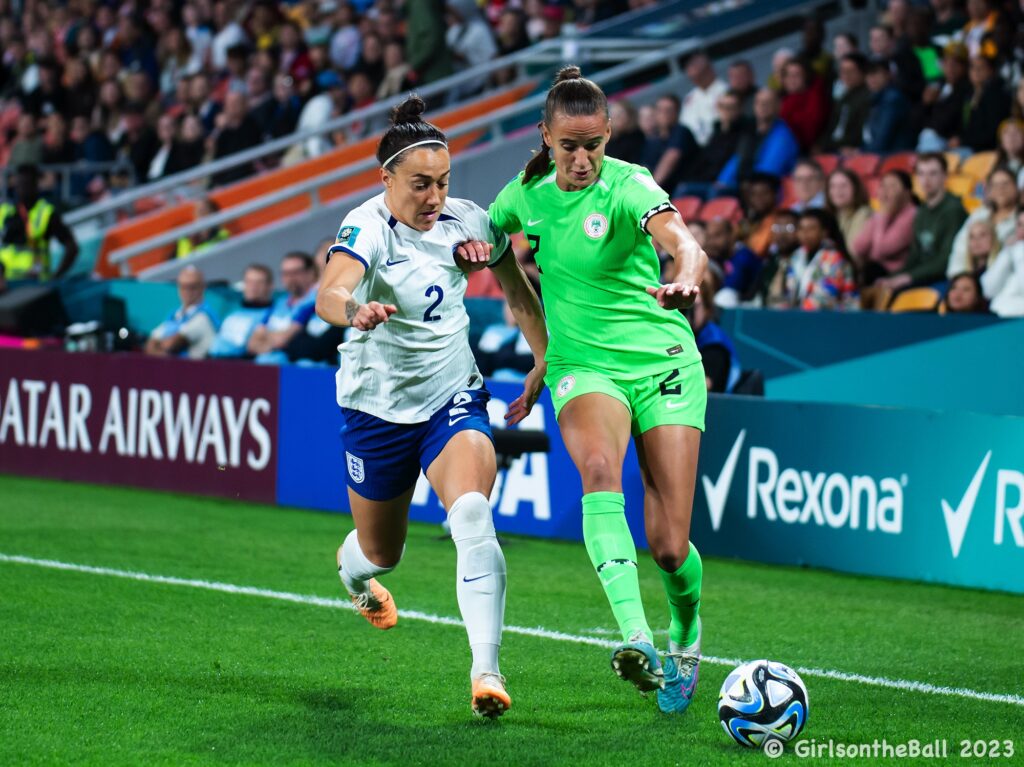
[{"x": 428, "y": 315}]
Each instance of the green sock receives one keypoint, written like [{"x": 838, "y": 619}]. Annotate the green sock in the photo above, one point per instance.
[
  {"x": 613, "y": 553},
  {"x": 683, "y": 590}
]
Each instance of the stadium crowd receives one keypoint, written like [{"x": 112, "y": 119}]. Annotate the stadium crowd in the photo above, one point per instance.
[
  {"x": 860, "y": 173},
  {"x": 166, "y": 85},
  {"x": 860, "y": 169}
]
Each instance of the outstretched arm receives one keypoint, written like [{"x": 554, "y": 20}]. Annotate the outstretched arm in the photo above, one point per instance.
[
  {"x": 690, "y": 259},
  {"x": 526, "y": 308},
  {"x": 335, "y": 303},
  {"x": 525, "y": 305}
]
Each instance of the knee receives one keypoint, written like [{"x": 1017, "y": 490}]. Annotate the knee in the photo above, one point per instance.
[
  {"x": 383, "y": 556},
  {"x": 470, "y": 517},
  {"x": 670, "y": 555},
  {"x": 599, "y": 472}
]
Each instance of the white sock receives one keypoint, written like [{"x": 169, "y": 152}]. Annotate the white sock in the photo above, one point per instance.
[
  {"x": 480, "y": 579},
  {"x": 356, "y": 570}
]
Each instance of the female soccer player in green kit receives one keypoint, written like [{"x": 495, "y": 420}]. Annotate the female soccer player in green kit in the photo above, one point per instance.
[{"x": 621, "y": 360}]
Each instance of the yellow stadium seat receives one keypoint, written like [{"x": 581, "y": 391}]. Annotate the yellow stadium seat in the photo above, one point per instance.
[
  {"x": 916, "y": 300},
  {"x": 971, "y": 203},
  {"x": 962, "y": 185},
  {"x": 979, "y": 165},
  {"x": 952, "y": 162}
]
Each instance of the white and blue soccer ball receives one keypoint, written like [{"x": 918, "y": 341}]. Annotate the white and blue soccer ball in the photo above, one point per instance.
[{"x": 762, "y": 700}]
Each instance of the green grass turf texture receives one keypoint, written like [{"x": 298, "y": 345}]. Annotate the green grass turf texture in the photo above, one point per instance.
[{"x": 100, "y": 670}]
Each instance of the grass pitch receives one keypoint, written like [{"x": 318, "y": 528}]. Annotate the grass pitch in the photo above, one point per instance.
[{"x": 96, "y": 669}]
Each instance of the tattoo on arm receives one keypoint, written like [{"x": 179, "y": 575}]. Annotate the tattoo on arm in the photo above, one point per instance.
[{"x": 351, "y": 309}]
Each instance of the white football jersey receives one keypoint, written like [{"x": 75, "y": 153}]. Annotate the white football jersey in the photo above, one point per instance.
[{"x": 405, "y": 369}]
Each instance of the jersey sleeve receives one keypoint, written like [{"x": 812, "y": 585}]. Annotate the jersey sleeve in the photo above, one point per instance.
[
  {"x": 642, "y": 199},
  {"x": 360, "y": 237},
  {"x": 504, "y": 211},
  {"x": 483, "y": 228}
]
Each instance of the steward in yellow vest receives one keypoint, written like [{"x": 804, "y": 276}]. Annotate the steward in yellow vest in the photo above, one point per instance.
[
  {"x": 207, "y": 238},
  {"x": 26, "y": 227}
]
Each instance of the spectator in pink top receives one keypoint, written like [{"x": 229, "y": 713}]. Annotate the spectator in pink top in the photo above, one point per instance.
[{"x": 882, "y": 246}]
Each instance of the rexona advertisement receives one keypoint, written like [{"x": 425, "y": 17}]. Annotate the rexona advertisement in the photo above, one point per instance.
[
  {"x": 878, "y": 491},
  {"x": 911, "y": 494},
  {"x": 206, "y": 428}
]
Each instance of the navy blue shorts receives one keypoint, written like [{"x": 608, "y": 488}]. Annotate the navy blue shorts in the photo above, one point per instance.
[{"x": 384, "y": 459}]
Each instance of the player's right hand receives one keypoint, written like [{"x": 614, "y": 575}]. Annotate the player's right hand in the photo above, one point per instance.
[
  {"x": 473, "y": 255},
  {"x": 372, "y": 314}
]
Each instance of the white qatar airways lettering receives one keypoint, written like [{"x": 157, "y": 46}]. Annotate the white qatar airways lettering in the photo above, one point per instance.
[{"x": 142, "y": 423}]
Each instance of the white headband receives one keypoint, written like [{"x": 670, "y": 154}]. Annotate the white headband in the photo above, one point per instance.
[{"x": 418, "y": 143}]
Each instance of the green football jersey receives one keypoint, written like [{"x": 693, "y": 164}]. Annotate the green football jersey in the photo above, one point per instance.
[{"x": 596, "y": 260}]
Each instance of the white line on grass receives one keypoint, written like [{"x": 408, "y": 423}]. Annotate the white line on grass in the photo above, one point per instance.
[{"x": 541, "y": 633}]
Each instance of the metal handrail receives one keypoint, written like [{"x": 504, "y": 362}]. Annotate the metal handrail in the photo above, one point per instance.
[
  {"x": 543, "y": 52},
  {"x": 66, "y": 169},
  {"x": 669, "y": 54},
  {"x": 491, "y": 120},
  {"x": 123, "y": 255}
]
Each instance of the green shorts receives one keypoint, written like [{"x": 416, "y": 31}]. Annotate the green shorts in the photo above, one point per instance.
[{"x": 675, "y": 396}]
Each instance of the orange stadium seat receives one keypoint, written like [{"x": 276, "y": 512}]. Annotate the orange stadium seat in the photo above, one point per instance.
[
  {"x": 953, "y": 160},
  {"x": 916, "y": 300},
  {"x": 688, "y": 206},
  {"x": 828, "y": 162},
  {"x": 140, "y": 228},
  {"x": 864, "y": 165},
  {"x": 722, "y": 207},
  {"x": 971, "y": 203},
  {"x": 962, "y": 185},
  {"x": 872, "y": 185},
  {"x": 901, "y": 161},
  {"x": 979, "y": 165}
]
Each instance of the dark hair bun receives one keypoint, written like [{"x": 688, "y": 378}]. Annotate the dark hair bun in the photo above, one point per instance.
[
  {"x": 571, "y": 72},
  {"x": 409, "y": 111}
]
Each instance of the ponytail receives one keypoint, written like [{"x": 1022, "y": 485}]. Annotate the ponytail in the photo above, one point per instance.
[
  {"x": 538, "y": 165},
  {"x": 574, "y": 96}
]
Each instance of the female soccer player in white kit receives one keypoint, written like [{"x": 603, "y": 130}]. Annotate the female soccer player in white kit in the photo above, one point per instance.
[{"x": 409, "y": 389}]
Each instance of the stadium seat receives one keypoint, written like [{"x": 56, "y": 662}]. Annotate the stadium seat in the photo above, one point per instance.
[
  {"x": 971, "y": 203},
  {"x": 722, "y": 207},
  {"x": 788, "y": 192},
  {"x": 140, "y": 228},
  {"x": 872, "y": 185},
  {"x": 979, "y": 165},
  {"x": 864, "y": 165},
  {"x": 688, "y": 206},
  {"x": 953, "y": 160},
  {"x": 916, "y": 300},
  {"x": 901, "y": 161},
  {"x": 828, "y": 162},
  {"x": 962, "y": 185}
]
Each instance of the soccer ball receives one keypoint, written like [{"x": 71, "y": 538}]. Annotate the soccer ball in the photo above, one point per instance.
[{"x": 761, "y": 700}]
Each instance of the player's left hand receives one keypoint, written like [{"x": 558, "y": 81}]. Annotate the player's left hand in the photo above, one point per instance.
[
  {"x": 675, "y": 295},
  {"x": 521, "y": 406},
  {"x": 473, "y": 255}
]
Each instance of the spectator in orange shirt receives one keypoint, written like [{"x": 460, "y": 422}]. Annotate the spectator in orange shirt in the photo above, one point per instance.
[{"x": 760, "y": 200}]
